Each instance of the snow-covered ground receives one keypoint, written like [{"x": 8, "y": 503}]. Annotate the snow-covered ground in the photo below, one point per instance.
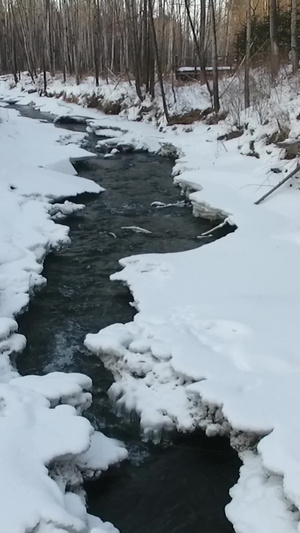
[
  {"x": 47, "y": 447},
  {"x": 215, "y": 341}
]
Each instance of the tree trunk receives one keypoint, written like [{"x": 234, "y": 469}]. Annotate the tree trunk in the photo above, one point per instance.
[
  {"x": 96, "y": 34},
  {"x": 273, "y": 39},
  {"x": 202, "y": 42},
  {"x": 247, "y": 55},
  {"x": 228, "y": 30},
  {"x": 214, "y": 57},
  {"x": 136, "y": 52},
  {"x": 294, "y": 53},
  {"x": 158, "y": 61},
  {"x": 200, "y": 52}
]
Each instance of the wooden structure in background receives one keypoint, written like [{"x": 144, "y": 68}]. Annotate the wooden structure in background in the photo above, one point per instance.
[{"x": 194, "y": 73}]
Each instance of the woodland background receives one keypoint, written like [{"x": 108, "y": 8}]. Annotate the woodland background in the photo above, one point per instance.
[{"x": 144, "y": 41}]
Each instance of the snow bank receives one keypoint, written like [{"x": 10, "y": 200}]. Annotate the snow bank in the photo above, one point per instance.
[
  {"x": 113, "y": 97},
  {"x": 46, "y": 446},
  {"x": 258, "y": 502},
  {"x": 215, "y": 341},
  {"x": 34, "y": 435},
  {"x": 218, "y": 326}
]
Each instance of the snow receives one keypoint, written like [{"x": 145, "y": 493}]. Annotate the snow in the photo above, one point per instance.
[
  {"x": 58, "y": 387},
  {"x": 34, "y": 436},
  {"x": 136, "y": 229},
  {"x": 102, "y": 452},
  {"x": 46, "y": 445},
  {"x": 258, "y": 502},
  {"x": 225, "y": 318},
  {"x": 209, "y": 69},
  {"x": 214, "y": 343}
]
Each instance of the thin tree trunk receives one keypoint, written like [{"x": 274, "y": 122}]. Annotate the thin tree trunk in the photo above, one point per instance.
[
  {"x": 247, "y": 55},
  {"x": 273, "y": 39},
  {"x": 14, "y": 51},
  {"x": 161, "y": 83},
  {"x": 96, "y": 41},
  {"x": 136, "y": 52},
  {"x": 214, "y": 57},
  {"x": 200, "y": 52},
  {"x": 228, "y": 28},
  {"x": 202, "y": 42},
  {"x": 65, "y": 40},
  {"x": 294, "y": 53}
]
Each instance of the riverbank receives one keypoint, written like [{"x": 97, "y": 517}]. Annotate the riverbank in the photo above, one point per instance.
[
  {"x": 79, "y": 297},
  {"x": 47, "y": 447},
  {"x": 217, "y": 326}
]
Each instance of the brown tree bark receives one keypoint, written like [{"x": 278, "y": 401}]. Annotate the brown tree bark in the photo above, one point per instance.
[
  {"x": 294, "y": 52},
  {"x": 159, "y": 71},
  {"x": 200, "y": 52},
  {"x": 273, "y": 39},
  {"x": 247, "y": 55},
  {"x": 216, "y": 98}
]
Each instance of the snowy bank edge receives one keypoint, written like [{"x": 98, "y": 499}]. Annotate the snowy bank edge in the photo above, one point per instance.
[{"x": 41, "y": 415}]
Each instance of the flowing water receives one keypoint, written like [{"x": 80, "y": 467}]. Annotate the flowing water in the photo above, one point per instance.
[{"x": 168, "y": 488}]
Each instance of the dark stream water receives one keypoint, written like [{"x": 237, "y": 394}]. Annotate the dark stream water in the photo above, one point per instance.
[{"x": 168, "y": 488}]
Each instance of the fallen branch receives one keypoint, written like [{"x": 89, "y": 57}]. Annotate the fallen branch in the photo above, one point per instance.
[
  {"x": 282, "y": 182},
  {"x": 206, "y": 233}
]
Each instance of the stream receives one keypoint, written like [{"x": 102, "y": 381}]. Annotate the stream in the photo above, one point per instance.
[{"x": 178, "y": 487}]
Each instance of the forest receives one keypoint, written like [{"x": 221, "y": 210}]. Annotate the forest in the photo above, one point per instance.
[{"x": 144, "y": 41}]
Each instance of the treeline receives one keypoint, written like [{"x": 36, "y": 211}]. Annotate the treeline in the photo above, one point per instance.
[
  {"x": 96, "y": 36},
  {"x": 144, "y": 40}
]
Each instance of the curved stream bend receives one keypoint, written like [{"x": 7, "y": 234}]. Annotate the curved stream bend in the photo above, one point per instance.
[{"x": 181, "y": 488}]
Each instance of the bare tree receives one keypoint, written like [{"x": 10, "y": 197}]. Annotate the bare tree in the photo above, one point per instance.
[
  {"x": 273, "y": 39},
  {"x": 202, "y": 37},
  {"x": 216, "y": 97},
  {"x": 200, "y": 48},
  {"x": 247, "y": 54},
  {"x": 166, "y": 112},
  {"x": 294, "y": 53}
]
